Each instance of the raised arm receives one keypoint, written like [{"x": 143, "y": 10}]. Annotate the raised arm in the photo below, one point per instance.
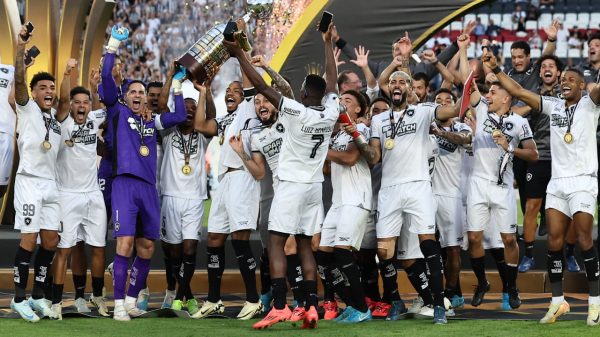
[
  {"x": 163, "y": 97},
  {"x": 109, "y": 86},
  {"x": 349, "y": 50},
  {"x": 447, "y": 76},
  {"x": 65, "y": 88},
  {"x": 278, "y": 81},
  {"x": 398, "y": 63},
  {"x": 331, "y": 72},
  {"x": 551, "y": 32},
  {"x": 94, "y": 81},
  {"x": 21, "y": 93},
  {"x": 529, "y": 97},
  {"x": 464, "y": 69},
  {"x": 362, "y": 61},
  {"x": 169, "y": 120},
  {"x": 459, "y": 138},
  {"x": 207, "y": 126}
]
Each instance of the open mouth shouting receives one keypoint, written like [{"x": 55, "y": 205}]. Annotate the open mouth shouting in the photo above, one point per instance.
[
  {"x": 48, "y": 99},
  {"x": 230, "y": 102},
  {"x": 547, "y": 75},
  {"x": 136, "y": 104},
  {"x": 566, "y": 90}
]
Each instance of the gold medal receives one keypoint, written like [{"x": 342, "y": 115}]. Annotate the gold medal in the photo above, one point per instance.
[
  {"x": 469, "y": 114},
  {"x": 186, "y": 169},
  {"x": 69, "y": 142},
  {"x": 46, "y": 145},
  {"x": 496, "y": 133},
  {"x": 389, "y": 144},
  {"x": 221, "y": 139},
  {"x": 144, "y": 150},
  {"x": 568, "y": 138}
]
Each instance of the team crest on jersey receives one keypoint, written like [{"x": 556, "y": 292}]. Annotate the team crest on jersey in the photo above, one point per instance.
[
  {"x": 489, "y": 127},
  {"x": 3, "y": 82},
  {"x": 178, "y": 143},
  {"x": 279, "y": 127},
  {"x": 4, "y": 70},
  {"x": 402, "y": 129},
  {"x": 133, "y": 124},
  {"x": 410, "y": 112},
  {"x": 27, "y": 221},
  {"x": 273, "y": 148}
]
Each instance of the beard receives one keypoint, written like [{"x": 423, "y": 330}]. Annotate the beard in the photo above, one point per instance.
[{"x": 399, "y": 102}]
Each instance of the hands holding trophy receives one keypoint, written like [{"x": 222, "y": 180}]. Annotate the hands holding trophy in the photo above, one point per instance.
[{"x": 203, "y": 60}]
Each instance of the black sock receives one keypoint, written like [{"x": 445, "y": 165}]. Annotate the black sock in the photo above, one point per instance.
[
  {"x": 215, "y": 267},
  {"x": 336, "y": 278},
  {"x": 369, "y": 273},
  {"x": 43, "y": 260},
  {"x": 554, "y": 265},
  {"x": 48, "y": 292},
  {"x": 590, "y": 260},
  {"x": 21, "y": 273},
  {"x": 57, "y": 293},
  {"x": 389, "y": 278},
  {"x": 310, "y": 293},
  {"x": 175, "y": 272},
  {"x": 188, "y": 267},
  {"x": 418, "y": 278},
  {"x": 345, "y": 261},
  {"x": 498, "y": 255},
  {"x": 570, "y": 248},
  {"x": 247, "y": 265},
  {"x": 279, "y": 292},
  {"x": 169, "y": 272},
  {"x": 529, "y": 249},
  {"x": 79, "y": 284},
  {"x": 511, "y": 277},
  {"x": 294, "y": 277},
  {"x": 265, "y": 276},
  {"x": 431, "y": 251},
  {"x": 97, "y": 285},
  {"x": 478, "y": 265},
  {"x": 323, "y": 270}
]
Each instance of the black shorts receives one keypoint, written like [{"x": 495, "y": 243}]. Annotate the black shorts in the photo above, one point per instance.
[{"x": 537, "y": 179}]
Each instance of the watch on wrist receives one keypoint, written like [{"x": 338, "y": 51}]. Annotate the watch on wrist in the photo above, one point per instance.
[{"x": 510, "y": 149}]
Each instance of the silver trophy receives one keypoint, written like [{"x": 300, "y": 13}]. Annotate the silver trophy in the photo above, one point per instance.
[{"x": 206, "y": 56}]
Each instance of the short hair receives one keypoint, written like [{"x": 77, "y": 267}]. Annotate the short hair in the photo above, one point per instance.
[
  {"x": 79, "y": 90},
  {"x": 559, "y": 64},
  {"x": 576, "y": 71},
  {"x": 445, "y": 90},
  {"x": 343, "y": 77},
  {"x": 41, "y": 76},
  {"x": 595, "y": 36},
  {"x": 403, "y": 74},
  {"x": 420, "y": 76},
  {"x": 521, "y": 45},
  {"x": 499, "y": 85},
  {"x": 366, "y": 97},
  {"x": 360, "y": 99},
  {"x": 315, "y": 85},
  {"x": 380, "y": 99},
  {"x": 133, "y": 82},
  {"x": 155, "y": 84}
]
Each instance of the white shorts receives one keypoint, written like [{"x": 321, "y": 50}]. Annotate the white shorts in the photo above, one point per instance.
[
  {"x": 490, "y": 203},
  {"x": 344, "y": 225},
  {"x": 235, "y": 205},
  {"x": 369, "y": 240},
  {"x": 450, "y": 220},
  {"x": 320, "y": 218},
  {"x": 83, "y": 218},
  {"x": 409, "y": 247},
  {"x": 36, "y": 204},
  {"x": 573, "y": 194},
  {"x": 7, "y": 151},
  {"x": 415, "y": 199},
  {"x": 181, "y": 219},
  {"x": 297, "y": 208},
  {"x": 491, "y": 237}
]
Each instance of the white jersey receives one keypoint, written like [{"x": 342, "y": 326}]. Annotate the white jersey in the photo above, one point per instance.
[
  {"x": 408, "y": 160},
  {"x": 32, "y": 127},
  {"x": 268, "y": 143},
  {"x": 239, "y": 121},
  {"x": 173, "y": 182},
  {"x": 448, "y": 167},
  {"x": 432, "y": 154},
  {"x": 307, "y": 131},
  {"x": 77, "y": 167},
  {"x": 351, "y": 184},
  {"x": 487, "y": 153},
  {"x": 8, "y": 118},
  {"x": 580, "y": 157},
  {"x": 375, "y": 184}
]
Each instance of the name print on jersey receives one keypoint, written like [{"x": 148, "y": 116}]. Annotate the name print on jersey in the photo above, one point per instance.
[{"x": 311, "y": 129}]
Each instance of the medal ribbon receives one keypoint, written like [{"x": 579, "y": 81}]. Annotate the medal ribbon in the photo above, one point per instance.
[
  {"x": 76, "y": 134},
  {"x": 187, "y": 146},
  {"x": 570, "y": 112},
  {"x": 393, "y": 124},
  {"x": 47, "y": 122},
  {"x": 499, "y": 124}
]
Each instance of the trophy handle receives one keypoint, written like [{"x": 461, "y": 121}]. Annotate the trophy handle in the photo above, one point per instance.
[{"x": 242, "y": 40}]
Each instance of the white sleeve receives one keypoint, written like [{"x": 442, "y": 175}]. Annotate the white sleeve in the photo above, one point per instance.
[
  {"x": 481, "y": 109},
  {"x": 28, "y": 108},
  {"x": 547, "y": 104},
  {"x": 254, "y": 143},
  {"x": 427, "y": 111},
  {"x": 372, "y": 93},
  {"x": 375, "y": 128},
  {"x": 525, "y": 131}
]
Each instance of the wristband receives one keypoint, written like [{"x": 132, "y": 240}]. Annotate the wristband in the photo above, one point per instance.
[
  {"x": 510, "y": 149},
  {"x": 551, "y": 40},
  {"x": 496, "y": 70},
  {"x": 176, "y": 84}
]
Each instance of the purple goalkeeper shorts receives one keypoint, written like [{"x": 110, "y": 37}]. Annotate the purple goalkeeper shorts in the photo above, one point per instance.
[{"x": 132, "y": 199}]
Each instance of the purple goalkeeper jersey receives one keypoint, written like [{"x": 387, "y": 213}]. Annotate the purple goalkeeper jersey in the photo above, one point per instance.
[{"x": 130, "y": 132}]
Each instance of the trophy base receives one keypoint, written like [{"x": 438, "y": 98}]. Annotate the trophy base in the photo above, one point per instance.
[{"x": 195, "y": 70}]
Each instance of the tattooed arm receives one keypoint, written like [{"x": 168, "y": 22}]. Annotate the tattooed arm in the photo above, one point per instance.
[
  {"x": 278, "y": 81},
  {"x": 21, "y": 93}
]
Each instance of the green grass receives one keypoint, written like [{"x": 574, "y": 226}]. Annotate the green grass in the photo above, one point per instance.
[{"x": 228, "y": 327}]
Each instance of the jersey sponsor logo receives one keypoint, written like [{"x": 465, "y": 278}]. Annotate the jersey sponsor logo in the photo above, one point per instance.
[
  {"x": 3, "y": 83},
  {"x": 85, "y": 137},
  {"x": 272, "y": 149},
  {"x": 291, "y": 111},
  {"x": 54, "y": 126},
  {"x": 559, "y": 120},
  {"x": 402, "y": 129},
  {"x": 489, "y": 127},
  {"x": 178, "y": 143},
  {"x": 148, "y": 132},
  {"x": 319, "y": 130},
  {"x": 446, "y": 145}
]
